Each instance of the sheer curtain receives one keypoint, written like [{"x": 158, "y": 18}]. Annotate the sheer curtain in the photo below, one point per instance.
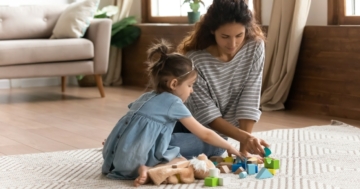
[
  {"x": 113, "y": 76},
  {"x": 287, "y": 23}
]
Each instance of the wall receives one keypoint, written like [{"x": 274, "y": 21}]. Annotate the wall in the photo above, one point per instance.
[{"x": 317, "y": 15}]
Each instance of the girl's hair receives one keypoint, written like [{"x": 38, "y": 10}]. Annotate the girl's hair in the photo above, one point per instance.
[
  {"x": 167, "y": 66},
  {"x": 219, "y": 13}
]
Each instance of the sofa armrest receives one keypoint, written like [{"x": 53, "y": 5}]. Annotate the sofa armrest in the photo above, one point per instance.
[{"x": 99, "y": 32}]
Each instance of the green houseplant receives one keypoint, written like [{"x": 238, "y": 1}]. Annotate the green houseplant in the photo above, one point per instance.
[
  {"x": 194, "y": 15},
  {"x": 123, "y": 33}
]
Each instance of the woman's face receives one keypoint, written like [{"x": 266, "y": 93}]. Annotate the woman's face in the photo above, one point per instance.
[{"x": 230, "y": 37}]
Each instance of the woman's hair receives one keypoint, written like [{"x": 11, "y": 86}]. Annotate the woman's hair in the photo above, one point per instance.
[
  {"x": 167, "y": 66},
  {"x": 219, "y": 13}
]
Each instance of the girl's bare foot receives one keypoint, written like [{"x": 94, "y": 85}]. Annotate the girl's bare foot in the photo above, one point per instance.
[{"x": 143, "y": 176}]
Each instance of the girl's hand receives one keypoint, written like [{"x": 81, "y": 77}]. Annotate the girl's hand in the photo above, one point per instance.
[
  {"x": 255, "y": 145},
  {"x": 234, "y": 151}
]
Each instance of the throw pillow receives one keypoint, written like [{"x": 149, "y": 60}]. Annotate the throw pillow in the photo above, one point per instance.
[{"x": 75, "y": 19}]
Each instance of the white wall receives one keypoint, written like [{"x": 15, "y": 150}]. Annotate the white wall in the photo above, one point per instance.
[
  {"x": 317, "y": 14},
  {"x": 33, "y": 2}
]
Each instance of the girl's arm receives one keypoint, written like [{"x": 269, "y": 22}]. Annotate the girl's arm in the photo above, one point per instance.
[{"x": 207, "y": 135}]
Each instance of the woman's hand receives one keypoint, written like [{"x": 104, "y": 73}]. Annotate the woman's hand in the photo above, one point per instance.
[{"x": 255, "y": 145}]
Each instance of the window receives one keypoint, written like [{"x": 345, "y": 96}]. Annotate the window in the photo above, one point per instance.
[
  {"x": 174, "y": 11},
  {"x": 344, "y": 12}
]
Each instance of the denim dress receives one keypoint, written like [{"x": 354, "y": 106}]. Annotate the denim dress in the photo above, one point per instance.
[{"x": 143, "y": 135}]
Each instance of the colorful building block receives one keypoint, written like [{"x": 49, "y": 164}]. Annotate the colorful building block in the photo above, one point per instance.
[
  {"x": 251, "y": 169},
  {"x": 263, "y": 174},
  {"x": 217, "y": 159},
  {"x": 234, "y": 167},
  {"x": 242, "y": 175},
  {"x": 272, "y": 171},
  {"x": 229, "y": 159},
  {"x": 271, "y": 163},
  {"x": 239, "y": 170},
  {"x": 210, "y": 181},
  {"x": 267, "y": 152},
  {"x": 252, "y": 160},
  {"x": 224, "y": 181},
  {"x": 224, "y": 169},
  {"x": 215, "y": 163},
  {"x": 225, "y": 163}
]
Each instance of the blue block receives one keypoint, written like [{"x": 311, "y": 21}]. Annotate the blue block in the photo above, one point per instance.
[
  {"x": 242, "y": 175},
  {"x": 264, "y": 174},
  {"x": 256, "y": 169},
  {"x": 235, "y": 167},
  {"x": 215, "y": 163},
  {"x": 251, "y": 169}
]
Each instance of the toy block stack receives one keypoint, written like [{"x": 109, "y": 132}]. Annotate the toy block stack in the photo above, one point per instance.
[{"x": 242, "y": 167}]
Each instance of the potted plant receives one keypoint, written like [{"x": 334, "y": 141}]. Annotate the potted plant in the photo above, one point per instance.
[
  {"x": 194, "y": 16},
  {"x": 123, "y": 33}
]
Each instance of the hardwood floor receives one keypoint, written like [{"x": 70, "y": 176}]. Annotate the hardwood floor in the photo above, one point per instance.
[{"x": 36, "y": 120}]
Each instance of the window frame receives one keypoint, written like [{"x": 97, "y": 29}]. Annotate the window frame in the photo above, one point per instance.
[
  {"x": 147, "y": 18},
  {"x": 336, "y": 14}
]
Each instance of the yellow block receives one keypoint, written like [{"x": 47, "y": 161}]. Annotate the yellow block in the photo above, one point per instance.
[
  {"x": 272, "y": 171},
  {"x": 229, "y": 160}
]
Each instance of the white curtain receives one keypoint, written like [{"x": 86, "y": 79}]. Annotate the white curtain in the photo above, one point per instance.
[
  {"x": 113, "y": 76},
  {"x": 287, "y": 22}
]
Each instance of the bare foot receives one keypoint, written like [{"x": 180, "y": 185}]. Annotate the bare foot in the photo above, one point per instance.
[{"x": 143, "y": 176}]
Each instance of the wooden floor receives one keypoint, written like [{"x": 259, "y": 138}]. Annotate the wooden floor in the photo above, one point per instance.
[{"x": 34, "y": 120}]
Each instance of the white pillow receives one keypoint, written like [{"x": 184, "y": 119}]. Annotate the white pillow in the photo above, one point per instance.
[{"x": 75, "y": 19}]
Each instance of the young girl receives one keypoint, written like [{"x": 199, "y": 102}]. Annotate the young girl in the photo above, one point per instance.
[{"x": 141, "y": 138}]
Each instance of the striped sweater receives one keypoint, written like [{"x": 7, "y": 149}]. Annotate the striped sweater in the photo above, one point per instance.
[{"x": 230, "y": 90}]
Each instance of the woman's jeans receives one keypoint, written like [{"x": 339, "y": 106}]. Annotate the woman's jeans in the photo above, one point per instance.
[{"x": 190, "y": 145}]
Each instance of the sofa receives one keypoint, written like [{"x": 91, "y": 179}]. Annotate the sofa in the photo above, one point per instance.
[{"x": 27, "y": 51}]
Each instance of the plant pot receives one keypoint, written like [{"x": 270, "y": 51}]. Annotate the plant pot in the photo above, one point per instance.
[
  {"x": 193, "y": 17},
  {"x": 87, "y": 81}
]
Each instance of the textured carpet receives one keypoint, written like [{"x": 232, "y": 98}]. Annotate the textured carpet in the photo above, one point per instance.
[{"x": 313, "y": 157}]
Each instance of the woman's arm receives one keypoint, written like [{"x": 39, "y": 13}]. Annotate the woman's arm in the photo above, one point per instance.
[
  {"x": 228, "y": 129},
  {"x": 207, "y": 135}
]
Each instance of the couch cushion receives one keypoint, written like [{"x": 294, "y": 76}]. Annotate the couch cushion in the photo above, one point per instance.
[
  {"x": 28, "y": 22},
  {"x": 44, "y": 50}
]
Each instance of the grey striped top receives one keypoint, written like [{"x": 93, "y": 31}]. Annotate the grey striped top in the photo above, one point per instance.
[{"x": 230, "y": 90}]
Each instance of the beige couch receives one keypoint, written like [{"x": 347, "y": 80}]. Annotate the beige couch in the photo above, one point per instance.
[{"x": 26, "y": 50}]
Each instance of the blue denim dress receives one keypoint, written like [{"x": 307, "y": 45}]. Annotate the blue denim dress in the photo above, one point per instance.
[{"x": 143, "y": 135}]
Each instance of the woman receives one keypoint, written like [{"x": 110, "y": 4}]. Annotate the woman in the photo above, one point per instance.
[{"x": 227, "y": 48}]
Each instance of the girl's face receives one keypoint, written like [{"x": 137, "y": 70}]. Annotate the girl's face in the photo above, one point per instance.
[
  {"x": 230, "y": 38},
  {"x": 184, "y": 89}
]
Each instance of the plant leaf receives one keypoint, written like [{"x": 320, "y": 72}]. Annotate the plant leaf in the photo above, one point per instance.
[
  {"x": 126, "y": 36},
  {"x": 117, "y": 26}
]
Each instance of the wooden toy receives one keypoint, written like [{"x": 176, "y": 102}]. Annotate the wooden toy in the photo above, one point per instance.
[
  {"x": 272, "y": 163},
  {"x": 224, "y": 169},
  {"x": 215, "y": 163},
  {"x": 267, "y": 152},
  {"x": 224, "y": 181},
  {"x": 229, "y": 159},
  {"x": 252, "y": 160},
  {"x": 263, "y": 174},
  {"x": 214, "y": 172},
  {"x": 234, "y": 167},
  {"x": 272, "y": 171},
  {"x": 242, "y": 175},
  {"x": 229, "y": 165},
  {"x": 239, "y": 170},
  {"x": 211, "y": 181},
  {"x": 217, "y": 159},
  {"x": 251, "y": 169}
]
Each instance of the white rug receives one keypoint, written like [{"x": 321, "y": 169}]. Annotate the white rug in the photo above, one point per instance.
[{"x": 314, "y": 157}]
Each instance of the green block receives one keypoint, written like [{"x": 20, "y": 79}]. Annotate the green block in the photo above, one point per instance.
[
  {"x": 272, "y": 163},
  {"x": 211, "y": 181}
]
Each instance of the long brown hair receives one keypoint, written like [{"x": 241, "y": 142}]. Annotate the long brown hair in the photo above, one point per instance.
[
  {"x": 219, "y": 13},
  {"x": 164, "y": 65}
]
